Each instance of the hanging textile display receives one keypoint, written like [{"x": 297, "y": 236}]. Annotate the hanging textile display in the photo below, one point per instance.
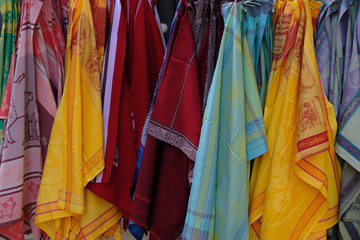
[
  {"x": 300, "y": 126},
  {"x": 202, "y": 20},
  {"x": 136, "y": 230},
  {"x": 325, "y": 45},
  {"x": 348, "y": 144},
  {"x": 111, "y": 83},
  {"x": 336, "y": 39},
  {"x": 227, "y": 143},
  {"x": 53, "y": 84},
  {"x": 206, "y": 22},
  {"x": 32, "y": 106},
  {"x": 257, "y": 25},
  {"x": 172, "y": 138},
  {"x": 245, "y": 126},
  {"x": 9, "y": 14},
  {"x": 333, "y": 40},
  {"x": 325, "y": 37},
  {"x": 75, "y": 155},
  {"x": 145, "y": 50}
]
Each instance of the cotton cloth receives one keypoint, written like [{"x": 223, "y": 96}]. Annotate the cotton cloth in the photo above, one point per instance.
[
  {"x": 301, "y": 126},
  {"x": 232, "y": 134}
]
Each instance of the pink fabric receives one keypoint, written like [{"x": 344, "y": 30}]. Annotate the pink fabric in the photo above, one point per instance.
[{"x": 40, "y": 47}]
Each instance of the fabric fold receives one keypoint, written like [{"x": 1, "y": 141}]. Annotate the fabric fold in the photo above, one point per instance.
[
  {"x": 347, "y": 142},
  {"x": 131, "y": 96},
  {"x": 32, "y": 87},
  {"x": 232, "y": 134},
  {"x": 162, "y": 188},
  {"x": 301, "y": 128},
  {"x": 65, "y": 209}
]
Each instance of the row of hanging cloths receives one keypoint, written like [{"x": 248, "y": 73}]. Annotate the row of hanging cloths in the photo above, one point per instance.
[
  {"x": 336, "y": 43},
  {"x": 113, "y": 127},
  {"x": 233, "y": 130},
  {"x": 294, "y": 145},
  {"x": 54, "y": 87},
  {"x": 65, "y": 209},
  {"x": 133, "y": 57},
  {"x": 172, "y": 129}
]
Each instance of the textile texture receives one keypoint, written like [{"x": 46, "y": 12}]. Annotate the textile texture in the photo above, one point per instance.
[
  {"x": 232, "y": 134},
  {"x": 300, "y": 126},
  {"x": 65, "y": 209}
]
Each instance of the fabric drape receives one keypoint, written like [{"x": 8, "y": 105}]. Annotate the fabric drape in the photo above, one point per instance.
[
  {"x": 347, "y": 144},
  {"x": 35, "y": 83},
  {"x": 144, "y": 57},
  {"x": 232, "y": 134},
  {"x": 257, "y": 25},
  {"x": 65, "y": 209},
  {"x": 173, "y": 133},
  {"x": 300, "y": 126}
]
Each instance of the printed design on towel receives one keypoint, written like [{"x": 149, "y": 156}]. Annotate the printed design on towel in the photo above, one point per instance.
[{"x": 7, "y": 208}]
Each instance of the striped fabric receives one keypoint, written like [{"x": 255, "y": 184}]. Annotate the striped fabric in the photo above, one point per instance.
[
  {"x": 111, "y": 84},
  {"x": 36, "y": 78},
  {"x": 129, "y": 95},
  {"x": 333, "y": 40},
  {"x": 348, "y": 142},
  {"x": 300, "y": 126},
  {"x": 65, "y": 209},
  {"x": 232, "y": 134},
  {"x": 257, "y": 26},
  {"x": 10, "y": 14}
]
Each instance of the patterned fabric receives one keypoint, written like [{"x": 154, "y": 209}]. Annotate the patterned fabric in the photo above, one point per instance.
[
  {"x": 324, "y": 41},
  {"x": 36, "y": 78},
  {"x": 99, "y": 11},
  {"x": 53, "y": 82},
  {"x": 300, "y": 125},
  {"x": 170, "y": 124},
  {"x": 257, "y": 25},
  {"x": 205, "y": 17},
  {"x": 10, "y": 14},
  {"x": 61, "y": 10},
  {"x": 65, "y": 210},
  {"x": 325, "y": 46},
  {"x": 232, "y": 133},
  {"x": 333, "y": 40},
  {"x": 348, "y": 144}
]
